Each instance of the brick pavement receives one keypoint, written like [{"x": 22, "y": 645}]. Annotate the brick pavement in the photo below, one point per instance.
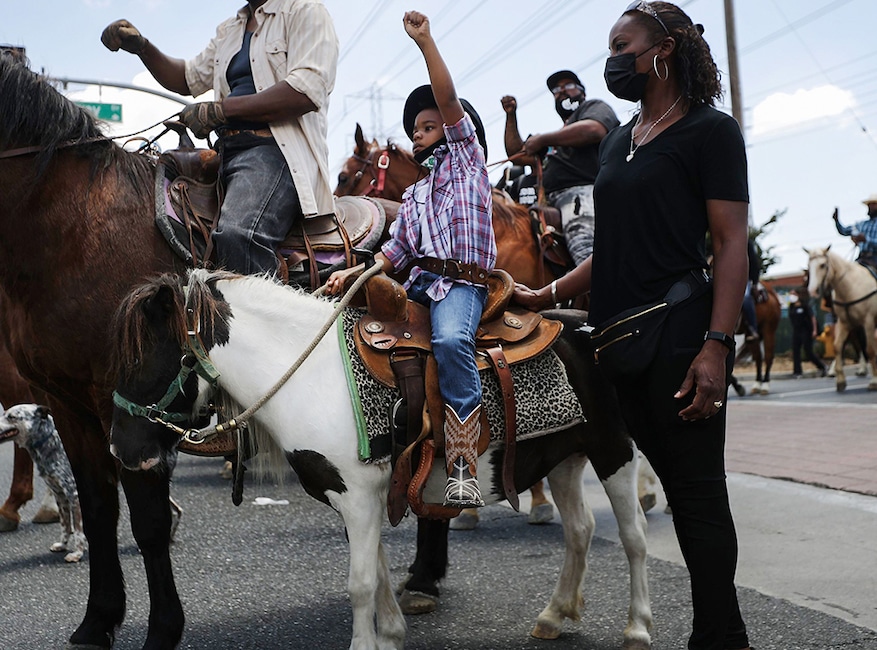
[{"x": 826, "y": 445}]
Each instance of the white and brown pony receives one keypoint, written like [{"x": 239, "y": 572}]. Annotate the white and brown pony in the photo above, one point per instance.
[
  {"x": 250, "y": 331},
  {"x": 852, "y": 288}
]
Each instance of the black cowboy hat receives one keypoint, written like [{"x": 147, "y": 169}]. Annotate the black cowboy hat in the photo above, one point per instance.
[
  {"x": 552, "y": 81},
  {"x": 422, "y": 98}
]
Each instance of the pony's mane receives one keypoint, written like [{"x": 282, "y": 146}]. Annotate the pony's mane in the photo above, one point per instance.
[
  {"x": 132, "y": 326},
  {"x": 34, "y": 114}
]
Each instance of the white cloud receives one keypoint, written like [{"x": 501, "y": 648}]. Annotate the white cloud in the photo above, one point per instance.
[{"x": 783, "y": 110}]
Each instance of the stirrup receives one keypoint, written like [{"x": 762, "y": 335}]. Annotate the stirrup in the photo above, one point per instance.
[{"x": 462, "y": 489}]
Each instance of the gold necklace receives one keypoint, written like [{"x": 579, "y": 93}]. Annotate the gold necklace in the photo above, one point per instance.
[{"x": 633, "y": 146}]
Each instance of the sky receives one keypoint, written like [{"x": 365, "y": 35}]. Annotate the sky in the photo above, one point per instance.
[{"x": 808, "y": 79}]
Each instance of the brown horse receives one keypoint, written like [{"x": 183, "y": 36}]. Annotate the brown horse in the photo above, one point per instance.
[
  {"x": 767, "y": 316},
  {"x": 76, "y": 233}
]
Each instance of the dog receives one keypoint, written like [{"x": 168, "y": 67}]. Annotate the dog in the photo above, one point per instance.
[{"x": 33, "y": 428}]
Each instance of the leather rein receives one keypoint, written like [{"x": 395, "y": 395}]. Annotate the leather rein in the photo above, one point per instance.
[{"x": 23, "y": 151}]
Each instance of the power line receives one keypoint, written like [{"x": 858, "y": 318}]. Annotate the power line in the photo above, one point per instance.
[
  {"x": 363, "y": 26},
  {"x": 804, "y": 20}
]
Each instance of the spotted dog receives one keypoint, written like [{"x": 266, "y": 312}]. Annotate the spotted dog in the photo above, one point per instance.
[{"x": 32, "y": 428}]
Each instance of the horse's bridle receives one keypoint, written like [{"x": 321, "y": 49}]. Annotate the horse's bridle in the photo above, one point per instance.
[
  {"x": 379, "y": 177},
  {"x": 194, "y": 359},
  {"x": 823, "y": 286}
]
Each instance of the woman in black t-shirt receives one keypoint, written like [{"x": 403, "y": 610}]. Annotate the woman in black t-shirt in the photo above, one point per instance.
[{"x": 675, "y": 170}]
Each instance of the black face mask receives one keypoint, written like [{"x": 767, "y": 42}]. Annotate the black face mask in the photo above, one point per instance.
[
  {"x": 621, "y": 76},
  {"x": 426, "y": 152},
  {"x": 566, "y": 106}
]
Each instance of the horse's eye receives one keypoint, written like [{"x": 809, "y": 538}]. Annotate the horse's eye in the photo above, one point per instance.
[{"x": 342, "y": 178}]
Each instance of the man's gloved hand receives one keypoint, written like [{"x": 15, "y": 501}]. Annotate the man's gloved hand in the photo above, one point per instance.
[
  {"x": 122, "y": 34},
  {"x": 202, "y": 118}
]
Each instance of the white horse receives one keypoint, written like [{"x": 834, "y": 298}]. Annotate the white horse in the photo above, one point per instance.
[
  {"x": 251, "y": 331},
  {"x": 853, "y": 292}
]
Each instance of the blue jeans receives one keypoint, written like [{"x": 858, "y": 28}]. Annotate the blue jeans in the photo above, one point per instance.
[
  {"x": 260, "y": 206},
  {"x": 454, "y": 323}
]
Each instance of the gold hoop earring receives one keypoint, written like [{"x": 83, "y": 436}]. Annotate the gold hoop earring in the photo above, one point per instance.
[{"x": 666, "y": 68}]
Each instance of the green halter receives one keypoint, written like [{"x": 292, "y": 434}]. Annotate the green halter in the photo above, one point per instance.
[{"x": 200, "y": 363}]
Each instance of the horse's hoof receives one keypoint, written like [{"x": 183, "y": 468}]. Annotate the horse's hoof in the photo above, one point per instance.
[
  {"x": 648, "y": 501},
  {"x": 466, "y": 520},
  {"x": 46, "y": 516},
  {"x": 636, "y": 644},
  {"x": 7, "y": 524},
  {"x": 765, "y": 389},
  {"x": 872, "y": 385},
  {"x": 417, "y": 602},
  {"x": 740, "y": 390},
  {"x": 541, "y": 514},
  {"x": 545, "y": 630},
  {"x": 841, "y": 386},
  {"x": 668, "y": 510}
]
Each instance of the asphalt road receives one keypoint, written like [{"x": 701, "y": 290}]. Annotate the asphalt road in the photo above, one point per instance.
[{"x": 274, "y": 576}]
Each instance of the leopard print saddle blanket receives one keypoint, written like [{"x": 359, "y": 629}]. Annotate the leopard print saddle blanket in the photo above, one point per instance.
[{"x": 544, "y": 400}]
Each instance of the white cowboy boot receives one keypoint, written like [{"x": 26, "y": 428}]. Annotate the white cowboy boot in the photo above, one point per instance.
[{"x": 461, "y": 457}]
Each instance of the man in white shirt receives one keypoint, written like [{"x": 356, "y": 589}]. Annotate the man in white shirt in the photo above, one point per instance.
[{"x": 271, "y": 67}]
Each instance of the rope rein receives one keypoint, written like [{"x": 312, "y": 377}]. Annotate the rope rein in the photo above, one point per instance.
[{"x": 199, "y": 436}]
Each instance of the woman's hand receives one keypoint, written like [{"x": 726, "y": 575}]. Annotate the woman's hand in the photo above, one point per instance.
[
  {"x": 532, "y": 299},
  {"x": 706, "y": 375}
]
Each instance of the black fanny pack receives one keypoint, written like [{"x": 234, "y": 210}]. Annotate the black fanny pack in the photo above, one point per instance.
[{"x": 625, "y": 345}]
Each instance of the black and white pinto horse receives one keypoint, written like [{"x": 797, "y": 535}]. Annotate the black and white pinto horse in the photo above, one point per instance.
[{"x": 251, "y": 330}]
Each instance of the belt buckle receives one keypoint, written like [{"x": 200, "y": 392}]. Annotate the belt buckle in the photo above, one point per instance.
[{"x": 452, "y": 269}]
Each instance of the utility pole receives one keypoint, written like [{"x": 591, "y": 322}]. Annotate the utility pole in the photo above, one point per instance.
[
  {"x": 734, "y": 74},
  {"x": 733, "y": 66}
]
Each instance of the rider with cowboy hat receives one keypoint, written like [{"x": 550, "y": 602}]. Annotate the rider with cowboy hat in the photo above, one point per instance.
[{"x": 864, "y": 233}]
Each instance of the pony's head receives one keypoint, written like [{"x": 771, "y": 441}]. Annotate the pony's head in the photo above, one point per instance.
[
  {"x": 164, "y": 331},
  {"x": 819, "y": 271}
]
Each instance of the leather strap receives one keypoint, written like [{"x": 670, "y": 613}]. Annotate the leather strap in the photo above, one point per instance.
[
  {"x": 409, "y": 371},
  {"x": 454, "y": 269},
  {"x": 507, "y": 386},
  {"x": 418, "y": 483}
]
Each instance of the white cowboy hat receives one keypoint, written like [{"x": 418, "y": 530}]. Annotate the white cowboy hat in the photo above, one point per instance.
[{"x": 870, "y": 199}]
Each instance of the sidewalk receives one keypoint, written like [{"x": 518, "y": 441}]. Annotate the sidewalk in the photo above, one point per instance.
[{"x": 825, "y": 445}]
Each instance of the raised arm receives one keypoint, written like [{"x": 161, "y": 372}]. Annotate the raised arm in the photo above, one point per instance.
[
  {"x": 168, "y": 71},
  {"x": 417, "y": 27}
]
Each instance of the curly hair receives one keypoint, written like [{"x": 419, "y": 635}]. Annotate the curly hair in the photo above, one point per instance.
[{"x": 698, "y": 75}]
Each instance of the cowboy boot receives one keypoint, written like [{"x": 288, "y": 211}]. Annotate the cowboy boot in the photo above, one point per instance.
[{"x": 461, "y": 457}]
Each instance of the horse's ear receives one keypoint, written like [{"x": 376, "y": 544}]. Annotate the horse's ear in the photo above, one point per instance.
[
  {"x": 361, "y": 147},
  {"x": 161, "y": 304},
  {"x": 804, "y": 248},
  {"x": 827, "y": 248}
]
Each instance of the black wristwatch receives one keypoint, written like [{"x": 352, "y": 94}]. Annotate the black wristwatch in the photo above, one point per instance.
[{"x": 724, "y": 339}]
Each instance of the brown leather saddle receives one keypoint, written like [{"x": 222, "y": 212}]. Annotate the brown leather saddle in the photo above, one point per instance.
[
  {"x": 394, "y": 342},
  {"x": 547, "y": 226},
  {"x": 316, "y": 246}
]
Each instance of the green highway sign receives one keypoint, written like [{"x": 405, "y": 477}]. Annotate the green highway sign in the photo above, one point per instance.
[{"x": 106, "y": 112}]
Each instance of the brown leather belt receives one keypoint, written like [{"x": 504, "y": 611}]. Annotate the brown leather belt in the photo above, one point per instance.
[
  {"x": 262, "y": 133},
  {"x": 453, "y": 269}
]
